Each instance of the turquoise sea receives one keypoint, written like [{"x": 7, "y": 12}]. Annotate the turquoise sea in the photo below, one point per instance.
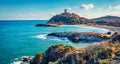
[{"x": 21, "y": 38}]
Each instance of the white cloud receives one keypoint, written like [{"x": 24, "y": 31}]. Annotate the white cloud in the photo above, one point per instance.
[
  {"x": 69, "y": 8},
  {"x": 117, "y": 7},
  {"x": 110, "y": 6},
  {"x": 87, "y": 6}
]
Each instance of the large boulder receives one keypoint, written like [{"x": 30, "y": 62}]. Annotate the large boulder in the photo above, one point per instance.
[
  {"x": 74, "y": 39},
  {"x": 117, "y": 38}
]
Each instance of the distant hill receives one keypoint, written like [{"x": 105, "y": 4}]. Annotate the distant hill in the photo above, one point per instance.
[
  {"x": 108, "y": 20},
  {"x": 68, "y": 18}
]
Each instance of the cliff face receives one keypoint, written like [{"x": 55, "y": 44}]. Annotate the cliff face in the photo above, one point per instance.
[{"x": 69, "y": 19}]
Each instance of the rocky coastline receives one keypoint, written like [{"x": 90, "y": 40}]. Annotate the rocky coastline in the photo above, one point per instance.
[
  {"x": 107, "y": 52},
  {"x": 83, "y": 36}
]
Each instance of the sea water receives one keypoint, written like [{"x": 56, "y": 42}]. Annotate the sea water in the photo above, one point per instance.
[{"x": 21, "y": 38}]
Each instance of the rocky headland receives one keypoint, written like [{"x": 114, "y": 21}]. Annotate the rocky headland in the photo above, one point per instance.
[{"x": 66, "y": 18}]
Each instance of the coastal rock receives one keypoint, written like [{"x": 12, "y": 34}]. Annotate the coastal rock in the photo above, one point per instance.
[
  {"x": 56, "y": 52},
  {"x": 116, "y": 38},
  {"x": 47, "y": 25},
  {"x": 37, "y": 59},
  {"x": 68, "y": 18},
  {"x": 74, "y": 39},
  {"x": 82, "y": 36}
]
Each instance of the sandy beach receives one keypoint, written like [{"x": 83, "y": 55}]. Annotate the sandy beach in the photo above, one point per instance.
[{"x": 111, "y": 28}]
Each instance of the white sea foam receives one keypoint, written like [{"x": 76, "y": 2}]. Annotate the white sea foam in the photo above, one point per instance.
[
  {"x": 20, "y": 60},
  {"x": 17, "y": 62},
  {"x": 43, "y": 36}
]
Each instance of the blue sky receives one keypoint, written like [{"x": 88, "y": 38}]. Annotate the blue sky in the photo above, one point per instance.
[{"x": 45, "y": 9}]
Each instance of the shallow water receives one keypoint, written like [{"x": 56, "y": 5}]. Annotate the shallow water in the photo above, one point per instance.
[{"x": 22, "y": 38}]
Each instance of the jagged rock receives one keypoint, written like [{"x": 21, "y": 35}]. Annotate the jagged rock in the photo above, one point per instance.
[
  {"x": 56, "y": 52},
  {"x": 37, "y": 59},
  {"x": 25, "y": 59},
  {"x": 74, "y": 39},
  {"x": 117, "y": 38}
]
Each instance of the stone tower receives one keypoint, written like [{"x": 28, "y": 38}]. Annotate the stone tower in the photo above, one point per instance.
[{"x": 65, "y": 11}]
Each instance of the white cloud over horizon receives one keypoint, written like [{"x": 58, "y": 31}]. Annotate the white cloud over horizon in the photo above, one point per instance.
[
  {"x": 87, "y": 6},
  {"x": 84, "y": 12},
  {"x": 117, "y": 7}
]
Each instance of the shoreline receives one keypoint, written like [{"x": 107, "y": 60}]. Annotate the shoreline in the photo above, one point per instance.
[
  {"x": 93, "y": 26},
  {"x": 111, "y": 28}
]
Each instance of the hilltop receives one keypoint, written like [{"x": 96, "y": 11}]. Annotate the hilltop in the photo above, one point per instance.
[
  {"x": 68, "y": 18},
  {"x": 107, "y": 18}
]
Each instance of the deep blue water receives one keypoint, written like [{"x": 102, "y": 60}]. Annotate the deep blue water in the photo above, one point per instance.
[{"x": 22, "y": 38}]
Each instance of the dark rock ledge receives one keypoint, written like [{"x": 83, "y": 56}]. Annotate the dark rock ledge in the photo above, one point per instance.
[
  {"x": 47, "y": 25},
  {"x": 82, "y": 36}
]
